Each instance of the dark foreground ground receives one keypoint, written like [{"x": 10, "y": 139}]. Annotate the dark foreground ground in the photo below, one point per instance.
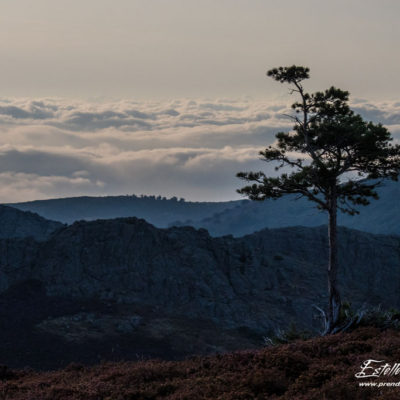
[
  {"x": 48, "y": 333},
  {"x": 321, "y": 368}
]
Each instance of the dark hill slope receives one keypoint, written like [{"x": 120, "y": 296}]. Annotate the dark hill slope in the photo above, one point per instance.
[
  {"x": 259, "y": 281},
  {"x": 316, "y": 369},
  {"x": 122, "y": 289},
  {"x": 19, "y": 224}
]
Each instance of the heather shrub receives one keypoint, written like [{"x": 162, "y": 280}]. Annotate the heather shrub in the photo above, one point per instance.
[
  {"x": 269, "y": 382},
  {"x": 6, "y": 373},
  {"x": 291, "y": 334},
  {"x": 377, "y": 317},
  {"x": 383, "y": 319},
  {"x": 319, "y": 368}
]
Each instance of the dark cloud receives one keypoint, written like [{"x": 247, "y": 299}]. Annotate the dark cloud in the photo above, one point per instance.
[
  {"x": 379, "y": 115},
  {"x": 171, "y": 112},
  {"x": 141, "y": 115},
  {"x": 221, "y": 107},
  {"x": 36, "y": 112},
  {"x": 42, "y": 162},
  {"x": 101, "y": 120}
]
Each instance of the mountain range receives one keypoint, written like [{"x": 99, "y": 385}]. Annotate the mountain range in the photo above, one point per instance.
[
  {"x": 238, "y": 218},
  {"x": 380, "y": 216},
  {"x": 157, "y": 210}
]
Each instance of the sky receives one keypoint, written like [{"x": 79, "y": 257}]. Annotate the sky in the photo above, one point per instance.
[{"x": 170, "y": 97}]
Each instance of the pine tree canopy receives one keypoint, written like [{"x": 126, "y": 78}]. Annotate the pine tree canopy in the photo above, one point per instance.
[{"x": 331, "y": 152}]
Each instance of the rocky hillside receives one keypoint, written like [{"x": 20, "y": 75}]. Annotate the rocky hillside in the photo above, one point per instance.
[
  {"x": 180, "y": 286},
  {"x": 258, "y": 281},
  {"x": 20, "y": 224},
  {"x": 316, "y": 369}
]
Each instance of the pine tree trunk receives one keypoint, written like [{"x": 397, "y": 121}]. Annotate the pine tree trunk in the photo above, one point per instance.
[{"x": 334, "y": 296}]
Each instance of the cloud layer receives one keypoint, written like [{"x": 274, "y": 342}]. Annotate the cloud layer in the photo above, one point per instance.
[{"x": 187, "y": 148}]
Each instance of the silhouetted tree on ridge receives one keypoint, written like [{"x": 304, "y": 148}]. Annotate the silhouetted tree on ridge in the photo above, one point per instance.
[{"x": 328, "y": 153}]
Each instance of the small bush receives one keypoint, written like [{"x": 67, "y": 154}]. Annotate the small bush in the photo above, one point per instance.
[
  {"x": 373, "y": 317},
  {"x": 291, "y": 334},
  {"x": 382, "y": 319}
]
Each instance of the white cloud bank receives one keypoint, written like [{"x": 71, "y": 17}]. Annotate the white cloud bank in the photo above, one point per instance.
[{"x": 186, "y": 148}]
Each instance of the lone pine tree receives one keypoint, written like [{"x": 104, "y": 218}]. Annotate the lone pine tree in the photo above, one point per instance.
[{"x": 332, "y": 157}]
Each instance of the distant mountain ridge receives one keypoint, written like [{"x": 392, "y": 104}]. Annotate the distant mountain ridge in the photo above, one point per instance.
[
  {"x": 157, "y": 210},
  {"x": 381, "y": 216},
  {"x": 238, "y": 218}
]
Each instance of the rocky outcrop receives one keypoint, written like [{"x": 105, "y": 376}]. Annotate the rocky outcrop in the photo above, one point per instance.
[
  {"x": 20, "y": 224},
  {"x": 260, "y": 281}
]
